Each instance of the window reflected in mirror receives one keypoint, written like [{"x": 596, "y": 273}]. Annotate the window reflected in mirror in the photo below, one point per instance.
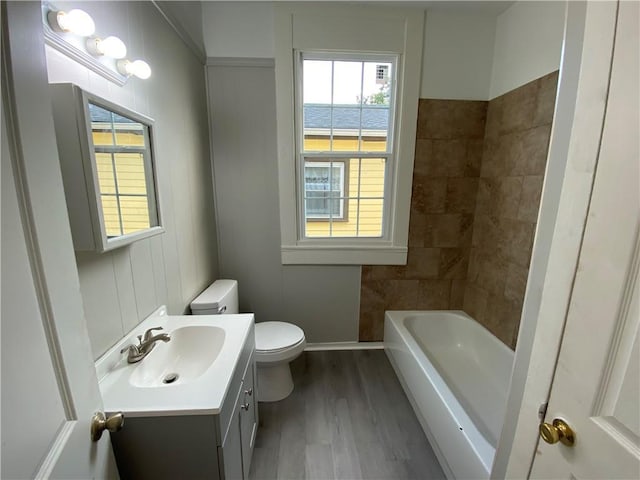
[
  {"x": 120, "y": 147},
  {"x": 108, "y": 173}
]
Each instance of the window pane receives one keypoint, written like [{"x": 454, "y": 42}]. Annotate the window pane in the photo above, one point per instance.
[
  {"x": 135, "y": 213},
  {"x": 370, "y": 218},
  {"x": 104, "y": 168},
  {"x": 111, "y": 215},
  {"x": 317, "y": 128},
  {"x": 349, "y": 227},
  {"x": 101, "y": 125},
  {"x": 347, "y": 83},
  {"x": 375, "y": 128},
  {"x": 317, "y": 229},
  {"x": 376, "y": 84},
  {"x": 345, "y": 124},
  {"x": 130, "y": 173},
  {"x": 372, "y": 172},
  {"x": 317, "y": 81},
  {"x": 129, "y": 135}
]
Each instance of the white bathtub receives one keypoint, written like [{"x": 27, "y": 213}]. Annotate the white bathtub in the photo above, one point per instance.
[{"x": 456, "y": 374}]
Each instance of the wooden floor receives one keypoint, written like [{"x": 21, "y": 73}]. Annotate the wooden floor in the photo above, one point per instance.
[{"x": 347, "y": 418}]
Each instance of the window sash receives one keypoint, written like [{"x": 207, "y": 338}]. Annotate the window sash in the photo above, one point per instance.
[
  {"x": 335, "y": 158},
  {"x": 345, "y": 56}
]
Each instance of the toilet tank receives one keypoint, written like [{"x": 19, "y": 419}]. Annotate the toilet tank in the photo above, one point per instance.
[{"x": 220, "y": 297}]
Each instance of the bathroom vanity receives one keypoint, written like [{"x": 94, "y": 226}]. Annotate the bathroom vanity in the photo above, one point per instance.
[{"x": 200, "y": 424}]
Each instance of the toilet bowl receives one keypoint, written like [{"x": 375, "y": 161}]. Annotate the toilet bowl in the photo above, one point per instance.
[{"x": 277, "y": 343}]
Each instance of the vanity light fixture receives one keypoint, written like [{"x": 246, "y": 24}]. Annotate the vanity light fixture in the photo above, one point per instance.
[
  {"x": 74, "y": 21},
  {"x": 109, "y": 47},
  {"x": 137, "y": 68}
]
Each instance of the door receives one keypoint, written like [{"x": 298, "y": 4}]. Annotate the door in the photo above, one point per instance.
[
  {"x": 49, "y": 385},
  {"x": 596, "y": 387}
]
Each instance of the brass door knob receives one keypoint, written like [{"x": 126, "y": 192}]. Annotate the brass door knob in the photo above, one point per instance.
[
  {"x": 558, "y": 431},
  {"x": 100, "y": 422}
]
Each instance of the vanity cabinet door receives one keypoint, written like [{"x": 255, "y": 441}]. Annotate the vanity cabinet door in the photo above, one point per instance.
[
  {"x": 248, "y": 417},
  {"x": 230, "y": 454}
]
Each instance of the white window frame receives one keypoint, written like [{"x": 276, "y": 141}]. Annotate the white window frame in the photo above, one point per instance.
[{"x": 360, "y": 30}]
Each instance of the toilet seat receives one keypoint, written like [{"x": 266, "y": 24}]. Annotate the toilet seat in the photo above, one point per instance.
[{"x": 278, "y": 341}]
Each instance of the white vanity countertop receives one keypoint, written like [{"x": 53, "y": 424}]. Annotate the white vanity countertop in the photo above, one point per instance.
[{"x": 201, "y": 396}]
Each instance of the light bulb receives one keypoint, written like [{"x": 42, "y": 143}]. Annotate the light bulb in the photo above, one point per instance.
[
  {"x": 110, "y": 47},
  {"x": 74, "y": 21},
  {"x": 138, "y": 68}
]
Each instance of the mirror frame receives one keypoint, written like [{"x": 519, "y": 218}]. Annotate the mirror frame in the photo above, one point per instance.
[{"x": 79, "y": 169}]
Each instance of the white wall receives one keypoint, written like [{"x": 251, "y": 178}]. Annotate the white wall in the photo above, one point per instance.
[
  {"x": 238, "y": 29},
  {"x": 323, "y": 300},
  {"x": 457, "y": 55},
  {"x": 528, "y": 44},
  {"x": 122, "y": 287}
]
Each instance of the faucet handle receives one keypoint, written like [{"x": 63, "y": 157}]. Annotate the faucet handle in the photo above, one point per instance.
[
  {"x": 148, "y": 334},
  {"x": 130, "y": 349}
]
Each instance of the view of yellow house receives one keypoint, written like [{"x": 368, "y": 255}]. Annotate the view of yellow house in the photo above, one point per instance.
[
  {"x": 119, "y": 146},
  {"x": 347, "y": 199}
]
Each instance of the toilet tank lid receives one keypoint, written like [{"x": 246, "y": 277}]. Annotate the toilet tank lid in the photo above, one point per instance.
[{"x": 213, "y": 295}]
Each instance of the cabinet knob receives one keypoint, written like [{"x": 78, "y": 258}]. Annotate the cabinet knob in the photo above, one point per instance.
[
  {"x": 100, "y": 422},
  {"x": 249, "y": 392},
  {"x": 245, "y": 406}
]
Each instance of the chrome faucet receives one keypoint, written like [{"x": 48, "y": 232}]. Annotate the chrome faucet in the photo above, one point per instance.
[{"x": 146, "y": 342}]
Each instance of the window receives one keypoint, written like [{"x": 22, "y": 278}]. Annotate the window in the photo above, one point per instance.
[
  {"x": 324, "y": 190},
  {"x": 346, "y": 124},
  {"x": 120, "y": 147},
  {"x": 108, "y": 170},
  {"x": 347, "y": 84}
]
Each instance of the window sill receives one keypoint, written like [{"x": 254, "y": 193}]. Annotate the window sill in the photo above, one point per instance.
[{"x": 343, "y": 255}]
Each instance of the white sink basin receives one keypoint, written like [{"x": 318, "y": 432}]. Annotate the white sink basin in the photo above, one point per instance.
[
  {"x": 189, "y": 353},
  {"x": 203, "y": 353}
]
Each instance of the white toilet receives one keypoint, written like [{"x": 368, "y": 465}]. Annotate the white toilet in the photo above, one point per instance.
[{"x": 277, "y": 343}]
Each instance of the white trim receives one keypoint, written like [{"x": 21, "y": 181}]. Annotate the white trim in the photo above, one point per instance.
[
  {"x": 343, "y": 255},
  {"x": 240, "y": 62},
  {"x": 56, "y": 450},
  {"x": 335, "y": 346}
]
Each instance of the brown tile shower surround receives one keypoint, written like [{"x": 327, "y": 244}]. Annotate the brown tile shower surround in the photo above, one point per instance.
[
  {"x": 449, "y": 148},
  {"x": 477, "y": 181}
]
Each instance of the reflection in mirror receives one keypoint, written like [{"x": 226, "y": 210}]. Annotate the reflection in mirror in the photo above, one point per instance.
[
  {"x": 122, "y": 166},
  {"x": 109, "y": 176}
]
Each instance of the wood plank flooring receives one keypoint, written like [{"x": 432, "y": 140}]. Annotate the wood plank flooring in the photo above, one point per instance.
[{"x": 347, "y": 418}]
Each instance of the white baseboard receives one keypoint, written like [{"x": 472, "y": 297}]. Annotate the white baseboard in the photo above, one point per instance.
[{"x": 315, "y": 347}]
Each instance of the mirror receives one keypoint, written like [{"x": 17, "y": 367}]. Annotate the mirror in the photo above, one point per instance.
[{"x": 106, "y": 156}]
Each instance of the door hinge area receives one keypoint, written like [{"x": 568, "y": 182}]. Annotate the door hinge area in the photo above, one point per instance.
[{"x": 542, "y": 411}]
